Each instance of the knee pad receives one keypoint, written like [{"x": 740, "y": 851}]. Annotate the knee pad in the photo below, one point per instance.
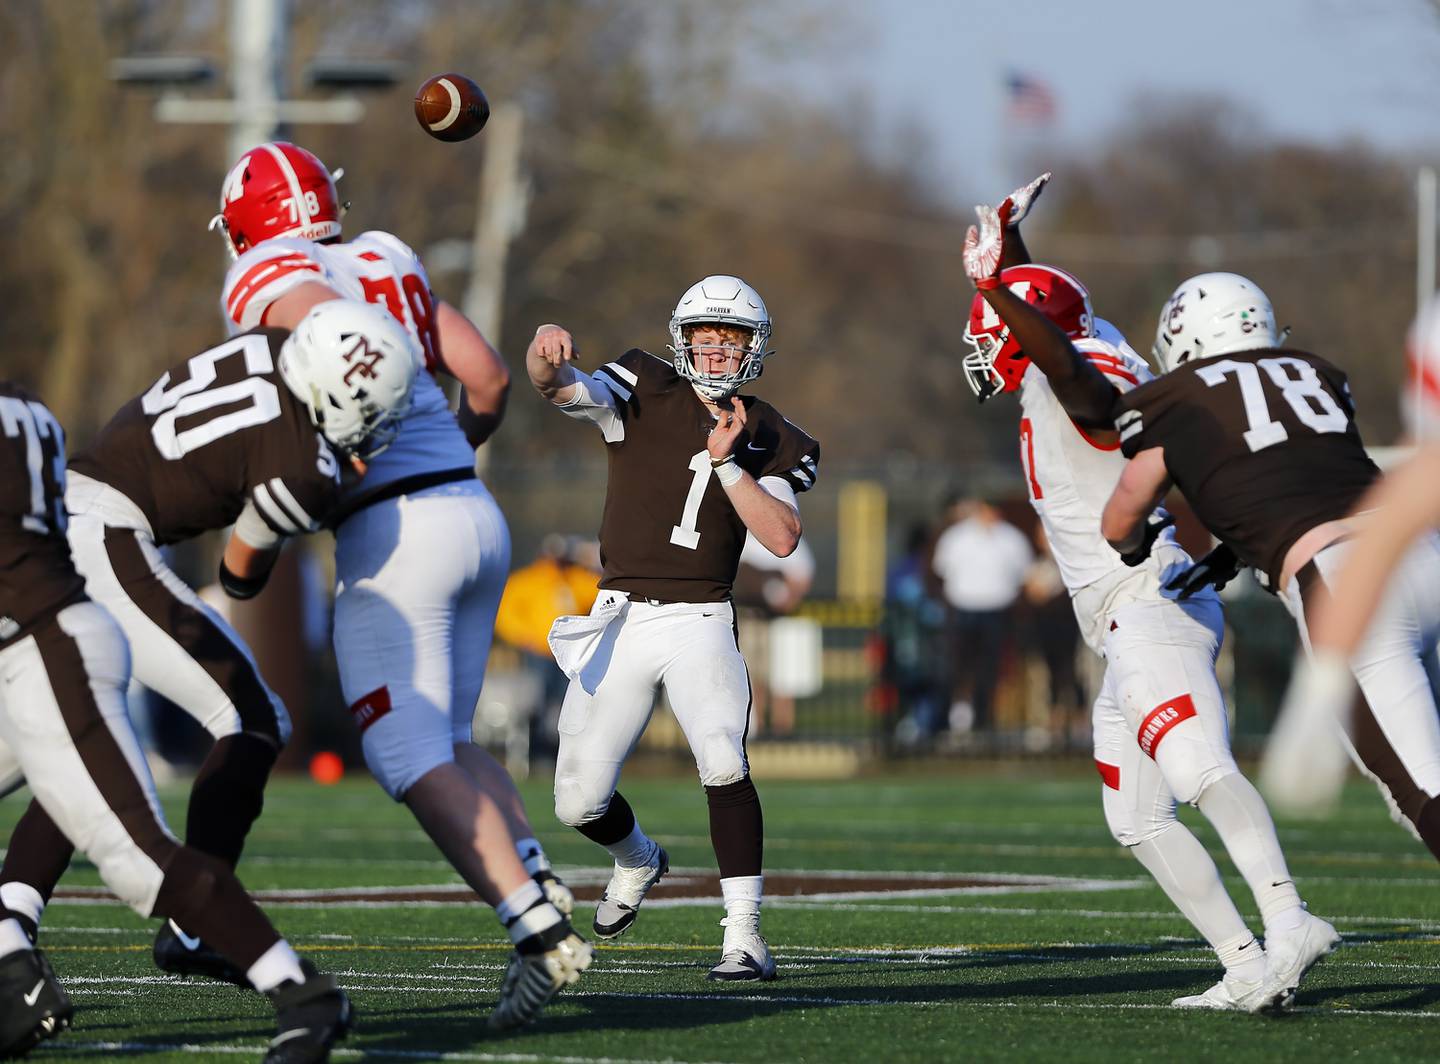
[
  {"x": 576, "y": 803},
  {"x": 721, "y": 759},
  {"x": 1189, "y": 762}
]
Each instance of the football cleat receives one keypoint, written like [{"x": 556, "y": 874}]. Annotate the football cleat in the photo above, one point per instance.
[
  {"x": 33, "y": 1004},
  {"x": 1229, "y": 994},
  {"x": 534, "y": 977},
  {"x": 311, "y": 1016},
  {"x": 556, "y": 892},
  {"x": 180, "y": 954},
  {"x": 745, "y": 956},
  {"x": 620, "y": 903},
  {"x": 1289, "y": 955}
]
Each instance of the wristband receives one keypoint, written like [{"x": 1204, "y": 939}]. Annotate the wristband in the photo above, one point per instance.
[
  {"x": 985, "y": 284},
  {"x": 716, "y": 463},
  {"x": 728, "y": 472},
  {"x": 238, "y": 587}
]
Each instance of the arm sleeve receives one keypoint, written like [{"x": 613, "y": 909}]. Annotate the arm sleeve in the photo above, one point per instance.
[
  {"x": 593, "y": 401},
  {"x": 779, "y": 488}
]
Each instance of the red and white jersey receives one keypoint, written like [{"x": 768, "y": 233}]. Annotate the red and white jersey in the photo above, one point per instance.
[
  {"x": 1069, "y": 476},
  {"x": 375, "y": 267}
]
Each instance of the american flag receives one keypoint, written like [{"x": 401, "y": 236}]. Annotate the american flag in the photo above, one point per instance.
[{"x": 1029, "y": 100}]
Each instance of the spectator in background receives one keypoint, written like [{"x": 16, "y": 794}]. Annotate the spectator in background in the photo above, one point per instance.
[
  {"x": 912, "y": 631},
  {"x": 981, "y": 561},
  {"x": 563, "y": 579},
  {"x": 1052, "y": 632},
  {"x": 768, "y": 586}
]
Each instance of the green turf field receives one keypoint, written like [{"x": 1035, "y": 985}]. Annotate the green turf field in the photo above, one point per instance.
[{"x": 1079, "y": 966}]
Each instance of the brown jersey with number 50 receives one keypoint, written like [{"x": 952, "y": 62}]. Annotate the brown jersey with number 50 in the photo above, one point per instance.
[
  {"x": 37, "y": 577},
  {"x": 669, "y": 532},
  {"x": 1263, "y": 444},
  {"x": 215, "y": 432}
]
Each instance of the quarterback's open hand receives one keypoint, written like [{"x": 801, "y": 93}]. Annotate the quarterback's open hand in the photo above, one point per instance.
[
  {"x": 728, "y": 427},
  {"x": 983, "y": 247},
  {"x": 1017, "y": 205},
  {"x": 1215, "y": 570},
  {"x": 554, "y": 344}
]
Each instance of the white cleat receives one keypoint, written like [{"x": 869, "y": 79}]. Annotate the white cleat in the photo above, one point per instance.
[
  {"x": 534, "y": 978},
  {"x": 620, "y": 903},
  {"x": 745, "y": 956},
  {"x": 1229, "y": 995},
  {"x": 1289, "y": 955}
]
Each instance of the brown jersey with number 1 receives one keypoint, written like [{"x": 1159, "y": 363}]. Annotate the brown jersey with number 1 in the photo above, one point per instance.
[
  {"x": 37, "y": 577},
  {"x": 218, "y": 430},
  {"x": 1263, "y": 444},
  {"x": 669, "y": 533}
]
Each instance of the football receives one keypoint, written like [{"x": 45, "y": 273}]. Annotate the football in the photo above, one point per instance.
[{"x": 451, "y": 107}]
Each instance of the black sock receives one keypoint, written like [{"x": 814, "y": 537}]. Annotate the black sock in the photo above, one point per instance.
[
  {"x": 737, "y": 828},
  {"x": 612, "y": 826},
  {"x": 228, "y": 794}
]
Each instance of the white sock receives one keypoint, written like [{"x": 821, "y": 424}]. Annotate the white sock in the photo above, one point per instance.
[
  {"x": 742, "y": 896},
  {"x": 532, "y": 856},
  {"x": 276, "y": 964},
  {"x": 1190, "y": 879},
  {"x": 22, "y": 899},
  {"x": 12, "y": 937},
  {"x": 634, "y": 850},
  {"x": 1238, "y": 813},
  {"x": 1243, "y": 957}
]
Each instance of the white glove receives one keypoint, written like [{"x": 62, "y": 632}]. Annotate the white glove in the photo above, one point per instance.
[
  {"x": 983, "y": 247},
  {"x": 1017, "y": 205},
  {"x": 1305, "y": 760}
]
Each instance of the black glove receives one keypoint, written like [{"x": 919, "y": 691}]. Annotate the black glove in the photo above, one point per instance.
[
  {"x": 1154, "y": 525},
  {"x": 239, "y": 587},
  {"x": 1215, "y": 570}
]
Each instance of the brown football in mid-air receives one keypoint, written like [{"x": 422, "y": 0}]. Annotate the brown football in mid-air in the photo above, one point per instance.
[{"x": 451, "y": 107}]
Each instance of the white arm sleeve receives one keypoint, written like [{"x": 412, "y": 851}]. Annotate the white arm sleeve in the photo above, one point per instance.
[
  {"x": 594, "y": 402},
  {"x": 253, "y": 530},
  {"x": 779, "y": 488}
]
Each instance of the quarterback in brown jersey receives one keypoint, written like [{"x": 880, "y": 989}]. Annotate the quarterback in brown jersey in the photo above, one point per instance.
[
  {"x": 64, "y": 731},
  {"x": 246, "y": 433},
  {"x": 693, "y": 466},
  {"x": 1262, "y": 441}
]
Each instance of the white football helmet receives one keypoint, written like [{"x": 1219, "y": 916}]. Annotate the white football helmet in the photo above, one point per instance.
[
  {"x": 721, "y": 300},
  {"x": 353, "y": 367},
  {"x": 1214, "y": 314}
]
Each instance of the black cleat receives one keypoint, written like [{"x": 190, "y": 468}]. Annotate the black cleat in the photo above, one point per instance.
[
  {"x": 179, "y": 954},
  {"x": 312, "y": 1016},
  {"x": 33, "y": 1004}
]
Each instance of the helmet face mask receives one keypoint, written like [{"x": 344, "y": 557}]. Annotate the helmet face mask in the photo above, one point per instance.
[
  {"x": 353, "y": 366},
  {"x": 997, "y": 363},
  {"x": 1213, "y": 314},
  {"x": 720, "y": 301},
  {"x": 277, "y": 189}
]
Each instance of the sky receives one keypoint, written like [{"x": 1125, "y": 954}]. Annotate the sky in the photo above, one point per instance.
[{"x": 1321, "y": 70}]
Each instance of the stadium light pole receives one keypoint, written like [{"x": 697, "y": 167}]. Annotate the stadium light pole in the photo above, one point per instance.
[{"x": 255, "y": 113}]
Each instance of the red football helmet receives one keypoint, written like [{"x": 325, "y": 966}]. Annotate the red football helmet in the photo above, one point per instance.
[
  {"x": 274, "y": 190},
  {"x": 997, "y": 364}
]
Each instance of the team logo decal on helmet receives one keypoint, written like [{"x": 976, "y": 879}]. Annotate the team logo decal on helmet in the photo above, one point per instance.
[
  {"x": 997, "y": 364},
  {"x": 353, "y": 367},
  {"x": 720, "y": 300},
  {"x": 1214, "y": 314}
]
